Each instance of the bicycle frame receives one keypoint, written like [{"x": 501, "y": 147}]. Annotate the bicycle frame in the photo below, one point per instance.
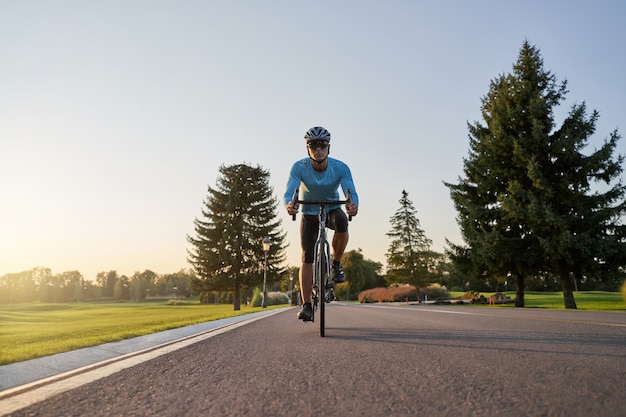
[{"x": 321, "y": 258}]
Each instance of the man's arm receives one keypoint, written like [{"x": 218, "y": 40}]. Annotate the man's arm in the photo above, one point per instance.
[
  {"x": 347, "y": 184},
  {"x": 293, "y": 183}
]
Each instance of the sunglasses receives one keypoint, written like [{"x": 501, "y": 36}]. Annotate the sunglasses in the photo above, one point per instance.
[{"x": 317, "y": 145}]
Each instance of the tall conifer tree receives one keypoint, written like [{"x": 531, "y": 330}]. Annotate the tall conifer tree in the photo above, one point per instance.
[
  {"x": 226, "y": 251},
  {"x": 525, "y": 206},
  {"x": 409, "y": 250}
]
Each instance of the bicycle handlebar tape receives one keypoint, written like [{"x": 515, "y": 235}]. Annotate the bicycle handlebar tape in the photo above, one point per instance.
[
  {"x": 349, "y": 198},
  {"x": 294, "y": 200}
]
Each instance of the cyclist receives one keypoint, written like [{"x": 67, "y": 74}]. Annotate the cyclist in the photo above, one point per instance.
[{"x": 319, "y": 177}]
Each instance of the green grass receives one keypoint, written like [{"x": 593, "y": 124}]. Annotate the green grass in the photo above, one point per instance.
[
  {"x": 585, "y": 300},
  {"x": 33, "y": 330}
]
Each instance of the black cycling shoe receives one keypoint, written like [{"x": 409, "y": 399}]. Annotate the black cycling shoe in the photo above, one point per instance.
[
  {"x": 306, "y": 312},
  {"x": 338, "y": 276}
]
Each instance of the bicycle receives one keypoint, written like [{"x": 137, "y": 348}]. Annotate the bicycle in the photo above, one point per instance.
[{"x": 322, "y": 281}]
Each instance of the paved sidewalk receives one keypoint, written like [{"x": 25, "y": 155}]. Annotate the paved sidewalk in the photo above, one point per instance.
[{"x": 21, "y": 373}]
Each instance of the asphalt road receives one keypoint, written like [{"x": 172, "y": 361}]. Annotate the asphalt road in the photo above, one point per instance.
[{"x": 377, "y": 360}]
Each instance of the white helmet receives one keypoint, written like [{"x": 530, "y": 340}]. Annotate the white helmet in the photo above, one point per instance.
[{"x": 317, "y": 133}]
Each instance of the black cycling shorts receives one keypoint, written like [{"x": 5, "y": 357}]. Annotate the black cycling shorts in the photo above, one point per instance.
[{"x": 336, "y": 220}]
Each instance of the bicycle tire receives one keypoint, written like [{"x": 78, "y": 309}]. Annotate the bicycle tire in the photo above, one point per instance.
[
  {"x": 320, "y": 268},
  {"x": 314, "y": 299}
]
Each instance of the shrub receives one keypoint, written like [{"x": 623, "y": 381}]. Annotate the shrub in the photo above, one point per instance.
[
  {"x": 386, "y": 295},
  {"x": 373, "y": 295},
  {"x": 401, "y": 293},
  {"x": 479, "y": 300},
  {"x": 178, "y": 302},
  {"x": 273, "y": 298},
  {"x": 470, "y": 295},
  {"x": 436, "y": 292}
]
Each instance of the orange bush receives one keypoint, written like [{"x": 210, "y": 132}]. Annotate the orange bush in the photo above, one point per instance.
[
  {"x": 387, "y": 295},
  {"x": 402, "y": 293}
]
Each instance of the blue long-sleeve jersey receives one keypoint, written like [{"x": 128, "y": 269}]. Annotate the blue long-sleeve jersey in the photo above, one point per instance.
[{"x": 315, "y": 185}]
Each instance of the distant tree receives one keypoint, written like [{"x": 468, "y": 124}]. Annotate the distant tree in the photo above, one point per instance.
[
  {"x": 90, "y": 290},
  {"x": 179, "y": 283},
  {"x": 47, "y": 283},
  {"x": 289, "y": 279},
  {"x": 462, "y": 272},
  {"x": 226, "y": 250},
  {"x": 122, "y": 288},
  {"x": 437, "y": 266},
  {"x": 141, "y": 284},
  {"x": 71, "y": 284},
  {"x": 22, "y": 287},
  {"x": 525, "y": 205},
  {"x": 408, "y": 256},
  {"x": 107, "y": 281},
  {"x": 361, "y": 274}
]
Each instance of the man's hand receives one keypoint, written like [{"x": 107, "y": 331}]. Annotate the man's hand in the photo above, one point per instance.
[
  {"x": 352, "y": 209},
  {"x": 292, "y": 209}
]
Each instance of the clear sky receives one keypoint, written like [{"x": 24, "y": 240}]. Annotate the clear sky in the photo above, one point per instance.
[{"x": 116, "y": 115}]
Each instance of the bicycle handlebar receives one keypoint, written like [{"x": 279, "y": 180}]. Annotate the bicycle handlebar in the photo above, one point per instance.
[{"x": 295, "y": 201}]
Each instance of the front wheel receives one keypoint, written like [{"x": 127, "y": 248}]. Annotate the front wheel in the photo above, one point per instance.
[{"x": 320, "y": 277}]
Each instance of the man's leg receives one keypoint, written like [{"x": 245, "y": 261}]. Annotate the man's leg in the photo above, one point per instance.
[
  {"x": 308, "y": 235},
  {"x": 306, "y": 281},
  {"x": 306, "y": 285},
  {"x": 340, "y": 242}
]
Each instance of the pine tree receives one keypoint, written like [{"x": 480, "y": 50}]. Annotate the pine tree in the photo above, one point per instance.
[
  {"x": 237, "y": 215},
  {"x": 408, "y": 253},
  {"x": 578, "y": 227},
  {"x": 525, "y": 206},
  {"x": 518, "y": 115}
]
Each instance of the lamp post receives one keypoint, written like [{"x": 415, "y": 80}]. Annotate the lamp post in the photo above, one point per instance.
[
  {"x": 291, "y": 287},
  {"x": 266, "y": 248}
]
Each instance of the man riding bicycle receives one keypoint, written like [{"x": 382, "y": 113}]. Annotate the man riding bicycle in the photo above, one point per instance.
[{"x": 319, "y": 177}]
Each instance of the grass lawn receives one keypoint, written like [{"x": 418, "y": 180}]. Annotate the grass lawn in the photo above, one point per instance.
[
  {"x": 585, "y": 300},
  {"x": 33, "y": 330}
]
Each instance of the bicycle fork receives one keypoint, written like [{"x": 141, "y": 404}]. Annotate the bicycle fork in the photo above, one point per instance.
[{"x": 321, "y": 272}]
